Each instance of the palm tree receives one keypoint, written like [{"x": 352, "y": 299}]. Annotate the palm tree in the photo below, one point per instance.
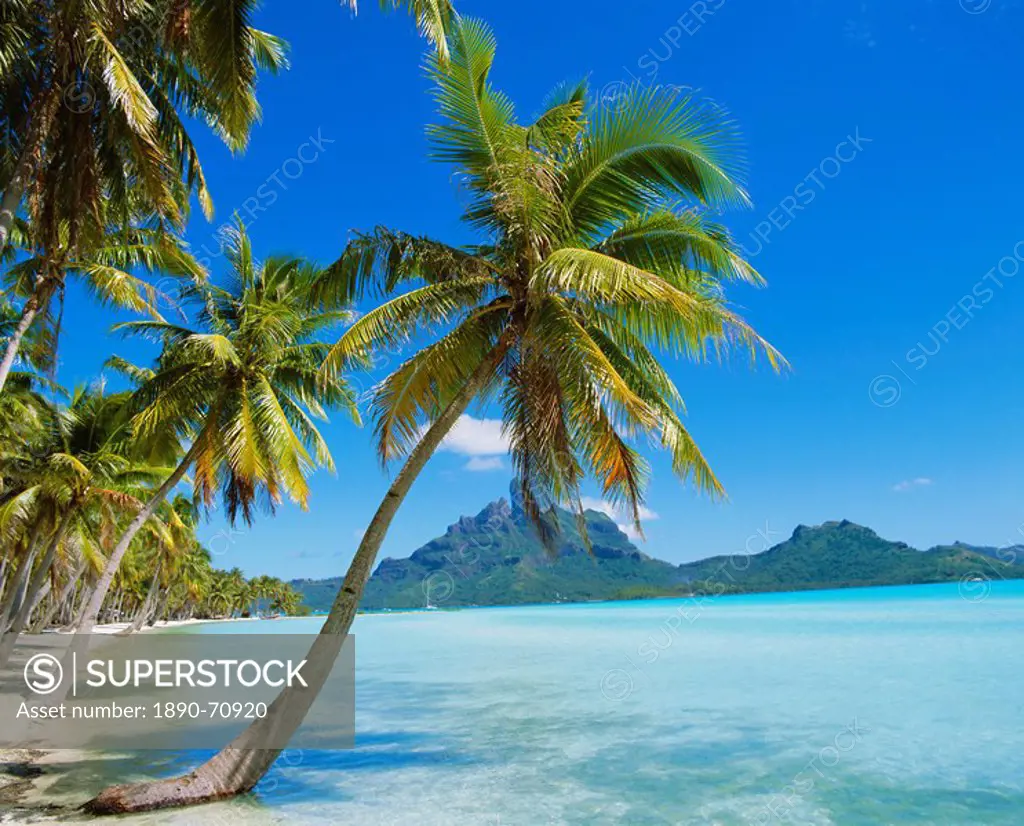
[
  {"x": 238, "y": 590},
  {"x": 220, "y": 597},
  {"x": 242, "y": 391},
  {"x": 170, "y": 544},
  {"x": 92, "y": 105},
  {"x": 93, "y": 99},
  {"x": 77, "y": 78},
  {"x": 587, "y": 261},
  {"x": 286, "y": 599},
  {"x": 192, "y": 570},
  {"x": 106, "y": 268},
  {"x": 74, "y": 485},
  {"x": 36, "y": 345},
  {"x": 99, "y": 91}
]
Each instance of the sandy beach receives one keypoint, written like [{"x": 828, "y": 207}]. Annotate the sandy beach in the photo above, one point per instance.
[
  {"x": 161, "y": 625},
  {"x": 30, "y": 779}
]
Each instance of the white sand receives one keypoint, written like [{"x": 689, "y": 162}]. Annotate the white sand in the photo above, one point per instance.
[{"x": 118, "y": 627}]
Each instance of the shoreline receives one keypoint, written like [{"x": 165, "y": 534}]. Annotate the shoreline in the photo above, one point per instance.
[
  {"x": 160, "y": 625},
  {"x": 26, "y": 774}
]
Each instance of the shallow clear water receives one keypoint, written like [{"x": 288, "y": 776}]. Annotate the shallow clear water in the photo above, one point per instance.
[{"x": 894, "y": 706}]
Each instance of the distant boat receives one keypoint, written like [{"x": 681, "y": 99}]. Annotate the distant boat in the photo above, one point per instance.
[{"x": 271, "y": 616}]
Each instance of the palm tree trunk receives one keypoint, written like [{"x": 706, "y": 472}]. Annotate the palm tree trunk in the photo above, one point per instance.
[
  {"x": 59, "y": 602},
  {"x": 114, "y": 611},
  {"x": 36, "y": 302},
  {"x": 161, "y": 605},
  {"x": 238, "y": 767},
  {"x": 76, "y": 612},
  {"x": 10, "y": 604},
  {"x": 46, "y": 108},
  {"x": 8, "y": 641},
  {"x": 38, "y": 598},
  {"x": 28, "y": 315},
  {"x": 147, "y": 606},
  {"x": 87, "y": 620}
]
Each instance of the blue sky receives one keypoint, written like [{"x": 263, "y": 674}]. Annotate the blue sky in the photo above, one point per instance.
[{"x": 883, "y": 142}]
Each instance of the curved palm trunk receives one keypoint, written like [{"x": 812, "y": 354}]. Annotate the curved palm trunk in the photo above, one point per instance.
[
  {"x": 35, "y": 586},
  {"x": 17, "y": 586},
  {"x": 78, "y": 607},
  {"x": 37, "y": 600},
  {"x": 238, "y": 767},
  {"x": 12, "y": 196},
  {"x": 161, "y": 608},
  {"x": 9, "y": 605},
  {"x": 148, "y": 605},
  {"x": 87, "y": 619},
  {"x": 45, "y": 110},
  {"x": 59, "y": 602},
  {"x": 15, "y": 191},
  {"x": 28, "y": 315},
  {"x": 35, "y": 303}
]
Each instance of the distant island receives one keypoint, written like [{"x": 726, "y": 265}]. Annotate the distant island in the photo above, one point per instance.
[{"x": 496, "y": 558}]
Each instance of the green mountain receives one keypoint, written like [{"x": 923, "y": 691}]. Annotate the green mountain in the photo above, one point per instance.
[
  {"x": 495, "y": 558},
  {"x": 846, "y": 555}
]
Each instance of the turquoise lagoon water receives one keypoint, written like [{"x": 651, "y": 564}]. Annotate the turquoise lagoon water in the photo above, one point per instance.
[{"x": 874, "y": 706}]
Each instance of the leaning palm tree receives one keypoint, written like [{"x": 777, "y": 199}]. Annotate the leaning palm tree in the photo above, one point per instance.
[
  {"x": 94, "y": 97},
  {"x": 36, "y": 345},
  {"x": 241, "y": 391},
  {"x": 596, "y": 252},
  {"x": 84, "y": 81},
  {"x": 93, "y": 103},
  {"x": 171, "y": 539},
  {"x": 99, "y": 91}
]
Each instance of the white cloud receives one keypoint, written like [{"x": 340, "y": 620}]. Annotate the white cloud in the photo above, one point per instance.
[
  {"x": 591, "y": 504},
  {"x": 909, "y": 484},
  {"x": 484, "y": 463},
  {"x": 629, "y": 530},
  {"x": 476, "y": 437},
  {"x": 619, "y": 515}
]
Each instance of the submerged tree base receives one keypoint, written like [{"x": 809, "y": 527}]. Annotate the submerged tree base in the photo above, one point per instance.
[
  {"x": 189, "y": 790},
  {"x": 229, "y": 773}
]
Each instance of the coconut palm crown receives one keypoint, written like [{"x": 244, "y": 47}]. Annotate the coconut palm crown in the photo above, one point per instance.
[
  {"x": 243, "y": 389},
  {"x": 598, "y": 251}
]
